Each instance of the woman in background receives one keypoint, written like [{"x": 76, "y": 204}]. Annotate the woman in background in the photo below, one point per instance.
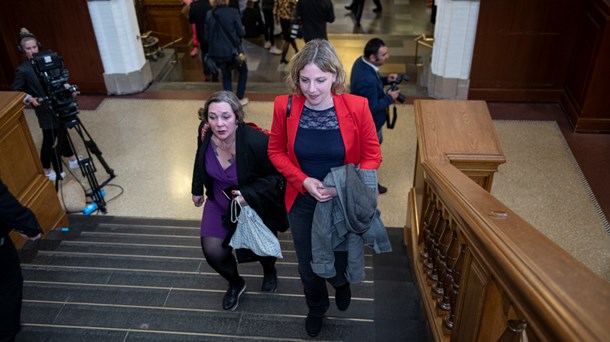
[
  {"x": 283, "y": 12},
  {"x": 27, "y": 81}
]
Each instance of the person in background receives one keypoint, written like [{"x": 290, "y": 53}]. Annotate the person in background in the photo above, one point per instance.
[
  {"x": 357, "y": 7},
  {"x": 268, "y": 6},
  {"x": 378, "y": 8},
  {"x": 187, "y": 10},
  {"x": 232, "y": 161},
  {"x": 284, "y": 11},
  {"x": 314, "y": 15},
  {"x": 222, "y": 46},
  {"x": 324, "y": 128},
  {"x": 13, "y": 216},
  {"x": 197, "y": 15},
  {"x": 365, "y": 81},
  {"x": 27, "y": 81}
]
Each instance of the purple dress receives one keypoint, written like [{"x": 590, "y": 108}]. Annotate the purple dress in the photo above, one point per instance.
[{"x": 211, "y": 222}]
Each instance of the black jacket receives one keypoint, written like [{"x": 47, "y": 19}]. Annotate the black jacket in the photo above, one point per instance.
[
  {"x": 27, "y": 81},
  {"x": 222, "y": 45},
  {"x": 314, "y": 15},
  {"x": 258, "y": 181},
  {"x": 13, "y": 215},
  {"x": 197, "y": 15}
]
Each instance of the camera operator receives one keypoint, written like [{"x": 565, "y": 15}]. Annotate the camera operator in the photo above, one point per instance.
[
  {"x": 366, "y": 81},
  {"x": 26, "y": 80}
]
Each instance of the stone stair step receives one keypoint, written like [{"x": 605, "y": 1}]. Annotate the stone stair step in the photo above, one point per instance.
[
  {"x": 82, "y": 247},
  {"x": 252, "y": 300},
  {"x": 130, "y": 279},
  {"x": 235, "y": 324},
  {"x": 288, "y": 280}
]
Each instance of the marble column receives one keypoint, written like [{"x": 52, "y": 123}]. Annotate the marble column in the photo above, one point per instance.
[
  {"x": 454, "y": 35},
  {"x": 126, "y": 69}
]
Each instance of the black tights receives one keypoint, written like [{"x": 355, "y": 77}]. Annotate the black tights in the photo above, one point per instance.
[
  {"x": 50, "y": 137},
  {"x": 222, "y": 260}
]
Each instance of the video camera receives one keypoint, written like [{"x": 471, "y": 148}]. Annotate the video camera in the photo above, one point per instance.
[
  {"x": 49, "y": 68},
  {"x": 394, "y": 86}
]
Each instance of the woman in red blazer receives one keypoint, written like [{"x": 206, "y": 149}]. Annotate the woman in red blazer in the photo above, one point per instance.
[{"x": 315, "y": 129}]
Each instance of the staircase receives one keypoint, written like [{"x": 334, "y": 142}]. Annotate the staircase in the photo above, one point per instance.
[{"x": 126, "y": 279}]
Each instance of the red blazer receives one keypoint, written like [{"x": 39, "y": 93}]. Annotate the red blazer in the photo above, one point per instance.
[{"x": 357, "y": 130}]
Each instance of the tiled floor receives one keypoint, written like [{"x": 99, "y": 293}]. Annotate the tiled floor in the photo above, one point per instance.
[{"x": 399, "y": 24}]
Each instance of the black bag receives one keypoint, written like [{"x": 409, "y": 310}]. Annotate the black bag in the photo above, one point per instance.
[
  {"x": 253, "y": 22},
  {"x": 245, "y": 255},
  {"x": 296, "y": 29},
  {"x": 210, "y": 65}
]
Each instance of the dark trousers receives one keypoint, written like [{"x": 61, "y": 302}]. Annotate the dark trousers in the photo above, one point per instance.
[
  {"x": 226, "y": 67},
  {"x": 357, "y": 9},
  {"x": 314, "y": 286},
  {"x": 48, "y": 151},
  {"x": 11, "y": 291},
  {"x": 269, "y": 25},
  {"x": 203, "y": 47}
]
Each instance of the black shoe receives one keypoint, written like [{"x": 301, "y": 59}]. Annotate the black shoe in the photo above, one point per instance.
[
  {"x": 349, "y": 8},
  {"x": 343, "y": 297},
  {"x": 313, "y": 325},
  {"x": 231, "y": 298},
  {"x": 382, "y": 189},
  {"x": 377, "y": 10},
  {"x": 269, "y": 283}
]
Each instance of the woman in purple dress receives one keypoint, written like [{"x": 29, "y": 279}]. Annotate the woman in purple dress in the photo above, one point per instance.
[{"x": 232, "y": 160}]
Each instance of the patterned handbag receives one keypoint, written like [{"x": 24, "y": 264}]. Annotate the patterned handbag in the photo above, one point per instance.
[{"x": 251, "y": 233}]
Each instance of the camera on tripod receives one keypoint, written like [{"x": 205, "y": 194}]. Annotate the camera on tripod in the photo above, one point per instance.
[
  {"x": 49, "y": 68},
  {"x": 60, "y": 99},
  {"x": 394, "y": 86}
]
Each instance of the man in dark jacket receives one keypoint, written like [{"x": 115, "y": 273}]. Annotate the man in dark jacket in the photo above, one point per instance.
[
  {"x": 13, "y": 215},
  {"x": 366, "y": 81},
  {"x": 314, "y": 15}
]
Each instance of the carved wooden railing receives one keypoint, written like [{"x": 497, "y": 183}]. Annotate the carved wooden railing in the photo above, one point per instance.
[{"x": 484, "y": 273}]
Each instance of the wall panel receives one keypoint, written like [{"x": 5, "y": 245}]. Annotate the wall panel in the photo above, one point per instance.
[
  {"x": 61, "y": 26},
  {"x": 586, "y": 91}
]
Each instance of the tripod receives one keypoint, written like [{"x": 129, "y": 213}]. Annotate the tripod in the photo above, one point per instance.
[{"x": 86, "y": 165}]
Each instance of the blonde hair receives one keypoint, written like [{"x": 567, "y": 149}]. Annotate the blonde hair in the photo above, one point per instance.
[
  {"x": 321, "y": 53},
  {"x": 25, "y": 35}
]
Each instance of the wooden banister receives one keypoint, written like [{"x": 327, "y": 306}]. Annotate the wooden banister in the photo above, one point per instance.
[
  {"x": 20, "y": 167},
  {"x": 494, "y": 268}
]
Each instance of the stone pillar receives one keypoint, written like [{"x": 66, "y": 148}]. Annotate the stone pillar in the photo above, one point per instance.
[
  {"x": 126, "y": 69},
  {"x": 454, "y": 35}
]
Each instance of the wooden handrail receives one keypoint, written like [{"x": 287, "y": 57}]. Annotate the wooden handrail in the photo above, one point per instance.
[{"x": 510, "y": 271}]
